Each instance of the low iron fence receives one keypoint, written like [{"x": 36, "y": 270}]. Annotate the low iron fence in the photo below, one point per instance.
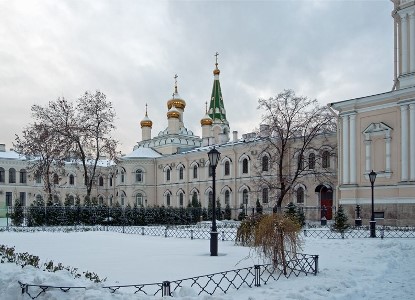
[
  {"x": 221, "y": 282},
  {"x": 361, "y": 232}
]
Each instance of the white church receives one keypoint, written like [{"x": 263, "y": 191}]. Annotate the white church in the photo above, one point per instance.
[{"x": 375, "y": 132}]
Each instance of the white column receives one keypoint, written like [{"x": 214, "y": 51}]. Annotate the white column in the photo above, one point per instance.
[
  {"x": 352, "y": 148},
  {"x": 388, "y": 151},
  {"x": 345, "y": 149},
  {"x": 412, "y": 41},
  {"x": 404, "y": 44},
  {"x": 412, "y": 140},
  {"x": 404, "y": 142},
  {"x": 368, "y": 143}
]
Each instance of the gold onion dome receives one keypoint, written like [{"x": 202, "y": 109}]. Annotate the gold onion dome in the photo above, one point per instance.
[
  {"x": 173, "y": 113},
  {"x": 146, "y": 122},
  {"x": 176, "y": 100},
  {"x": 206, "y": 119}
]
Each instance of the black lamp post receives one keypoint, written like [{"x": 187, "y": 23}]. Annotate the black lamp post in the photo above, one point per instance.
[
  {"x": 214, "y": 156},
  {"x": 372, "y": 178}
]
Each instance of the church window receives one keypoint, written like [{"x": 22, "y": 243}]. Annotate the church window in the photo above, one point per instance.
[
  {"x": 71, "y": 179},
  {"x": 139, "y": 176},
  {"x": 23, "y": 176},
  {"x": 311, "y": 161},
  {"x": 55, "y": 179},
  {"x": 300, "y": 195},
  {"x": 168, "y": 199},
  {"x": 245, "y": 166},
  {"x": 122, "y": 176},
  {"x": 326, "y": 159},
  {"x": 101, "y": 181},
  {"x": 194, "y": 171},
  {"x": 210, "y": 199},
  {"x": 181, "y": 199},
  {"x": 227, "y": 168},
  {"x": 265, "y": 162},
  {"x": 227, "y": 197},
  {"x": 168, "y": 174},
  {"x": 181, "y": 173},
  {"x": 265, "y": 195},
  {"x": 2, "y": 175},
  {"x": 12, "y": 175},
  {"x": 139, "y": 199},
  {"x": 245, "y": 197},
  {"x": 300, "y": 162}
]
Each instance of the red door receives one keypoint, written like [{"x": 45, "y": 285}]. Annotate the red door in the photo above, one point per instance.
[{"x": 326, "y": 204}]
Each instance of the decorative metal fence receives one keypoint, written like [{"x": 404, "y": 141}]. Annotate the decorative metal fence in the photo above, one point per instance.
[
  {"x": 210, "y": 284},
  {"x": 361, "y": 232}
]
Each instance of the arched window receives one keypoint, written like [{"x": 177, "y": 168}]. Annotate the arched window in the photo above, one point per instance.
[
  {"x": 23, "y": 176},
  {"x": 326, "y": 159},
  {"x": 300, "y": 162},
  {"x": 210, "y": 170},
  {"x": 2, "y": 175},
  {"x": 139, "y": 199},
  {"x": 227, "y": 168},
  {"x": 227, "y": 197},
  {"x": 245, "y": 197},
  {"x": 210, "y": 199},
  {"x": 55, "y": 179},
  {"x": 181, "y": 199},
  {"x": 101, "y": 181},
  {"x": 194, "y": 171},
  {"x": 265, "y": 161},
  {"x": 111, "y": 180},
  {"x": 12, "y": 175},
  {"x": 111, "y": 200},
  {"x": 181, "y": 171},
  {"x": 101, "y": 200},
  {"x": 122, "y": 176},
  {"x": 71, "y": 179},
  {"x": 139, "y": 176},
  {"x": 245, "y": 166},
  {"x": 311, "y": 161},
  {"x": 122, "y": 198},
  {"x": 300, "y": 195},
  {"x": 168, "y": 200},
  {"x": 168, "y": 174},
  {"x": 38, "y": 177},
  {"x": 195, "y": 201},
  {"x": 265, "y": 195}
]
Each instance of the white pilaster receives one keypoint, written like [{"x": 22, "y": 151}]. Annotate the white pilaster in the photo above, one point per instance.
[
  {"x": 412, "y": 141},
  {"x": 345, "y": 149},
  {"x": 404, "y": 142},
  {"x": 352, "y": 148},
  {"x": 404, "y": 43},
  {"x": 388, "y": 152},
  {"x": 368, "y": 144},
  {"x": 412, "y": 41}
]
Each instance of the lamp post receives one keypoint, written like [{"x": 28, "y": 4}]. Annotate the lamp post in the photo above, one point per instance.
[
  {"x": 214, "y": 156},
  {"x": 372, "y": 178}
]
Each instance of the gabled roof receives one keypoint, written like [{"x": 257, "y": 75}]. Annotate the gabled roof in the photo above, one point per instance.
[{"x": 142, "y": 152}]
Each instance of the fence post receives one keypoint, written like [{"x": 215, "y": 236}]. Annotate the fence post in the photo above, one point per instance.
[
  {"x": 142, "y": 230},
  {"x": 257, "y": 275},
  {"x": 165, "y": 291},
  {"x": 315, "y": 264},
  {"x": 305, "y": 232},
  {"x": 191, "y": 234},
  {"x": 165, "y": 232}
]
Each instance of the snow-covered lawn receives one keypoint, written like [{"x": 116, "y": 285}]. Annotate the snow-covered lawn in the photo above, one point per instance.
[{"x": 348, "y": 269}]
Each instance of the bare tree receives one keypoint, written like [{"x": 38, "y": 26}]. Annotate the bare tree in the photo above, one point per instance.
[
  {"x": 77, "y": 133},
  {"x": 293, "y": 126}
]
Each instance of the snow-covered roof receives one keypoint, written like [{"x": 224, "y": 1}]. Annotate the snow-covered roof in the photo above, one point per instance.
[
  {"x": 142, "y": 152},
  {"x": 10, "y": 155}
]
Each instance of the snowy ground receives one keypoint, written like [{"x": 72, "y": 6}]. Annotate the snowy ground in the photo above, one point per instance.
[{"x": 348, "y": 269}]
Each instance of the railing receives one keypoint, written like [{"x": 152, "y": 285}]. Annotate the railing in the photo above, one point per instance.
[
  {"x": 361, "y": 232},
  {"x": 209, "y": 284}
]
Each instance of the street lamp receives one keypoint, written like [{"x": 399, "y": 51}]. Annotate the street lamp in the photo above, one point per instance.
[
  {"x": 372, "y": 178},
  {"x": 214, "y": 156}
]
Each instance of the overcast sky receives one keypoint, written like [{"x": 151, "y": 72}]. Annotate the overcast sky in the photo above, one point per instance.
[{"x": 131, "y": 50}]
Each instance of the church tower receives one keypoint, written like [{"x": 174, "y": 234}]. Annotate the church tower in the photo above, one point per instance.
[
  {"x": 404, "y": 32},
  {"x": 217, "y": 113},
  {"x": 146, "y": 125}
]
